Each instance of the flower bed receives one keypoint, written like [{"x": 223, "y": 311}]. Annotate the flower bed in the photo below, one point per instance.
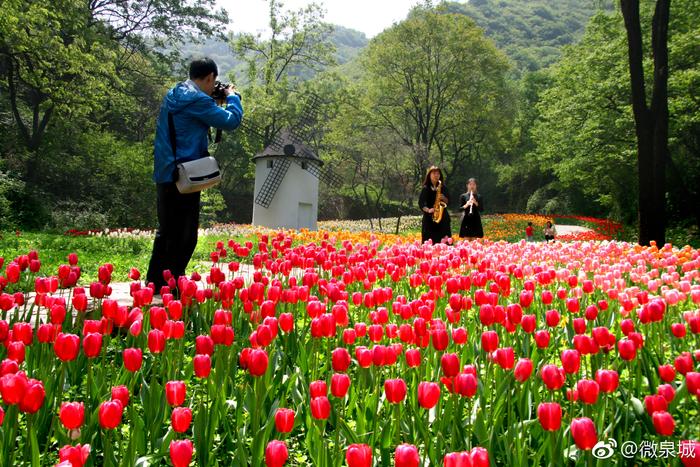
[{"x": 361, "y": 349}]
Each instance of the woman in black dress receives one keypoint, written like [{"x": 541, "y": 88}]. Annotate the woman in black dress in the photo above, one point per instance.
[
  {"x": 472, "y": 204},
  {"x": 431, "y": 230}
]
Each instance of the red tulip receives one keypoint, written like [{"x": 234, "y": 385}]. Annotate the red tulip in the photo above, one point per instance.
[
  {"x": 284, "y": 420},
  {"x": 133, "y": 358},
  {"x": 33, "y": 396},
  {"x": 428, "y": 394},
  {"x": 286, "y": 322},
  {"x": 542, "y": 338},
  {"x": 66, "y": 346},
  {"x": 439, "y": 339},
  {"x": 570, "y": 361},
  {"x": 553, "y": 377},
  {"x": 16, "y": 351},
  {"x": 340, "y": 382},
  {"x": 663, "y": 423},
  {"x": 655, "y": 403},
  {"x": 276, "y": 454},
  {"x": 608, "y": 380},
  {"x": 257, "y": 362},
  {"x": 450, "y": 364},
  {"x": 583, "y": 432},
  {"x": 552, "y": 318},
  {"x": 320, "y": 408},
  {"x": 395, "y": 390},
  {"x": 505, "y": 357},
  {"x": 667, "y": 391},
  {"x": 588, "y": 391},
  {"x": 684, "y": 363},
  {"x": 110, "y": 414},
  {"x": 156, "y": 341},
  {"x": 549, "y": 415},
  {"x": 627, "y": 349},
  {"x": 667, "y": 373},
  {"x": 121, "y": 393},
  {"x": 204, "y": 345},
  {"x": 412, "y": 358},
  {"x": 72, "y": 415},
  {"x": 76, "y": 456},
  {"x": 692, "y": 382},
  {"x": 457, "y": 459},
  {"x": 175, "y": 392},
  {"x": 523, "y": 370},
  {"x": 479, "y": 456},
  {"x": 318, "y": 389},
  {"x": 489, "y": 341},
  {"x": 181, "y": 452},
  {"x": 406, "y": 455},
  {"x": 341, "y": 359},
  {"x": 202, "y": 365},
  {"x": 359, "y": 455},
  {"x": 689, "y": 453},
  {"x": 12, "y": 387},
  {"x": 92, "y": 344},
  {"x": 465, "y": 384},
  {"x": 181, "y": 419}
]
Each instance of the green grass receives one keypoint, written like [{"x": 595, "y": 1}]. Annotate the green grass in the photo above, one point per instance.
[{"x": 93, "y": 251}]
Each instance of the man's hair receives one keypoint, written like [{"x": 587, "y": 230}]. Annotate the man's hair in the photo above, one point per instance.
[{"x": 202, "y": 67}]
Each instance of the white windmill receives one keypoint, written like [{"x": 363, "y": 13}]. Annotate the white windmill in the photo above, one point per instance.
[{"x": 287, "y": 175}]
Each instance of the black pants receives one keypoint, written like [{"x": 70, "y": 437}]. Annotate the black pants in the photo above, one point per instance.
[{"x": 176, "y": 238}]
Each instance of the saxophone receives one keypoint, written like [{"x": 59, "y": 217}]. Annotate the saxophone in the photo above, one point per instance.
[{"x": 439, "y": 206}]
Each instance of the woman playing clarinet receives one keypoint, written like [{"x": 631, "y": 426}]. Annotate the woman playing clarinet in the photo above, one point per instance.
[
  {"x": 433, "y": 185},
  {"x": 472, "y": 204}
]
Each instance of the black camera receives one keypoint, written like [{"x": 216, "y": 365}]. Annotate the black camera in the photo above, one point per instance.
[{"x": 219, "y": 92}]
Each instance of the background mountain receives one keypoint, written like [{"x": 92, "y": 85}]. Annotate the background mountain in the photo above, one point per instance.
[
  {"x": 348, "y": 44},
  {"x": 531, "y": 32}
]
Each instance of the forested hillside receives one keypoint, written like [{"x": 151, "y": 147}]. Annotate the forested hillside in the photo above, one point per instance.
[{"x": 531, "y": 32}]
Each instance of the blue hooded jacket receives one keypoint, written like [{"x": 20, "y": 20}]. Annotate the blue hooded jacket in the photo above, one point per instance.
[{"x": 194, "y": 112}]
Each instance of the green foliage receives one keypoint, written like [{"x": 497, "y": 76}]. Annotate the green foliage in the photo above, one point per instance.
[
  {"x": 212, "y": 205},
  {"x": 10, "y": 188}
]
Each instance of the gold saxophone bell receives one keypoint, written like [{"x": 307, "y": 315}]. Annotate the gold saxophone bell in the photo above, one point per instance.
[{"x": 439, "y": 207}]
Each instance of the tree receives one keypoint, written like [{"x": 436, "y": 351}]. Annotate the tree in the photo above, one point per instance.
[
  {"x": 651, "y": 120},
  {"x": 65, "y": 57},
  {"x": 438, "y": 84}
]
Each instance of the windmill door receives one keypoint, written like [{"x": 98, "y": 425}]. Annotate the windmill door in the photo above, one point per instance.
[{"x": 305, "y": 216}]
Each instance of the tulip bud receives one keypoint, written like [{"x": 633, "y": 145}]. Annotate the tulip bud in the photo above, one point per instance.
[{"x": 181, "y": 452}]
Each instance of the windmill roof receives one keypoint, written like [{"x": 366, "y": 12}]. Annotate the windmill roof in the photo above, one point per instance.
[{"x": 283, "y": 148}]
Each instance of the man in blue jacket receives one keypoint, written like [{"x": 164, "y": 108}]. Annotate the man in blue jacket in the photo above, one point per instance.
[{"x": 193, "y": 112}]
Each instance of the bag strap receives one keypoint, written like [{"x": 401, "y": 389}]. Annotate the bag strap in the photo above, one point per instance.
[{"x": 171, "y": 130}]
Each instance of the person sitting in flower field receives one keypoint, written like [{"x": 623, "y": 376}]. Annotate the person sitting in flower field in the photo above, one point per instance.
[{"x": 549, "y": 232}]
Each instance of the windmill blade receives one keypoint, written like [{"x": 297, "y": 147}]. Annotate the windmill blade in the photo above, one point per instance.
[
  {"x": 306, "y": 125},
  {"x": 272, "y": 182},
  {"x": 253, "y": 129},
  {"x": 325, "y": 175},
  {"x": 330, "y": 178}
]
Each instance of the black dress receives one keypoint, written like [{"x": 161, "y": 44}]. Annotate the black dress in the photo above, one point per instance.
[
  {"x": 431, "y": 230},
  {"x": 471, "y": 223}
]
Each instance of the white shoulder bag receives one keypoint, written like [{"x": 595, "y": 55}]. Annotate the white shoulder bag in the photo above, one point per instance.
[{"x": 196, "y": 175}]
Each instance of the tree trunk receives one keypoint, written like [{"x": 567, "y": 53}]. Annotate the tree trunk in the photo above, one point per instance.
[{"x": 651, "y": 122}]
